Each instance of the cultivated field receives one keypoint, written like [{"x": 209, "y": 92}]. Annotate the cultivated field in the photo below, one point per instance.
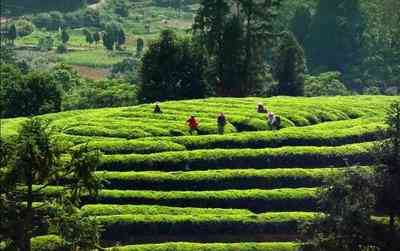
[{"x": 246, "y": 190}]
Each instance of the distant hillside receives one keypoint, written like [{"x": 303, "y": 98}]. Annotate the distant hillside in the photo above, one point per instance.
[{"x": 19, "y": 7}]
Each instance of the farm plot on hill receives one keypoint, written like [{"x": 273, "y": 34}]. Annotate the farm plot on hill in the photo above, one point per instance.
[{"x": 246, "y": 190}]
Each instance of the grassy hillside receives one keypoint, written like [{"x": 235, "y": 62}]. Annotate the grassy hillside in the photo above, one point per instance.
[{"x": 246, "y": 190}]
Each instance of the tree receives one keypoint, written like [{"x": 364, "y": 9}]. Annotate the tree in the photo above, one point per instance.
[
  {"x": 46, "y": 43},
  {"x": 347, "y": 201},
  {"x": 301, "y": 23},
  {"x": 24, "y": 27},
  {"x": 232, "y": 50},
  {"x": 120, "y": 40},
  {"x": 172, "y": 68},
  {"x": 335, "y": 37},
  {"x": 64, "y": 36},
  {"x": 7, "y": 54},
  {"x": 113, "y": 35},
  {"x": 388, "y": 172},
  {"x": 208, "y": 28},
  {"x": 139, "y": 46},
  {"x": 96, "y": 37},
  {"x": 325, "y": 84},
  {"x": 35, "y": 93},
  {"x": 35, "y": 164},
  {"x": 121, "y": 9},
  {"x": 12, "y": 33},
  {"x": 256, "y": 19},
  {"x": 89, "y": 37},
  {"x": 108, "y": 41},
  {"x": 290, "y": 67}
]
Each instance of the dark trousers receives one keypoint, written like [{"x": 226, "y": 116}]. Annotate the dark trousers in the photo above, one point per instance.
[{"x": 221, "y": 129}]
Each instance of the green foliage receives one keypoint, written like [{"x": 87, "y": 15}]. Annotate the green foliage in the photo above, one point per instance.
[
  {"x": 249, "y": 23},
  {"x": 96, "y": 37},
  {"x": 62, "y": 48},
  {"x": 218, "y": 179},
  {"x": 239, "y": 158},
  {"x": 172, "y": 68},
  {"x": 35, "y": 93},
  {"x": 290, "y": 67},
  {"x": 388, "y": 172},
  {"x": 46, "y": 43},
  {"x": 335, "y": 37},
  {"x": 114, "y": 35},
  {"x": 221, "y": 177},
  {"x": 64, "y": 36},
  {"x": 7, "y": 54},
  {"x": 12, "y": 33},
  {"x": 24, "y": 27},
  {"x": 77, "y": 232},
  {"x": 89, "y": 37},
  {"x": 47, "y": 243},
  {"x": 105, "y": 93},
  {"x": 121, "y": 9},
  {"x": 268, "y": 223},
  {"x": 127, "y": 69},
  {"x": 325, "y": 84},
  {"x": 212, "y": 247},
  {"x": 37, "y": 160},
  {"x": 258, "y": 200},
  {"x": 139, "y": 46},
  {"x": 32, "y": 6},
  {"x": 300, "y": 23},
  {"x": 104, "y": 210},
  {"x": 348, "y": 201}
]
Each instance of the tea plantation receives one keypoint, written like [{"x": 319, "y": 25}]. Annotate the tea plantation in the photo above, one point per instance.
[{"x": 248, "y": 189}]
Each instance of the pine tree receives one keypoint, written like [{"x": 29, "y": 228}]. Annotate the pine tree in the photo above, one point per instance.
[
  {"x": 139, "y": 46},
  {"x": 64, "y": 36},
  {"x": 97, "y": 37},
  {"x": 89, "y": 37},
  {"x": 290, "y": 67},
  {"x": 108, "y": 41},
  {"x": 209, "y": 27},
  {"x": 301, "y": 23},
  {"x": 120, "y": 39},
  {"x": 335, "y": 35},
  {"x": 12, "y": 33}
]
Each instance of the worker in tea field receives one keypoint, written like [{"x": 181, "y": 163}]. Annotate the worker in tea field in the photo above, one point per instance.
[
  {"x": 261, "y": 108},
  {"x": 221, "y": 122},
  {"x": 193, "y": 125},
  {"x": 274, "y": 122},
  {"x": 157, "y": 108}
]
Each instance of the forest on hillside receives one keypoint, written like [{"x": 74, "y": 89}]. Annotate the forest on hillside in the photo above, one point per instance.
[{"x": 219, "y": 48}]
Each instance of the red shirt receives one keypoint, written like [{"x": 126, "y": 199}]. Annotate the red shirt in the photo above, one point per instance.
[{"x": 192, "y": 122}]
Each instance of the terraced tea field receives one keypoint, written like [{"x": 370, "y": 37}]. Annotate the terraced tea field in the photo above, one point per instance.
[{"x": 246, "y": 190}]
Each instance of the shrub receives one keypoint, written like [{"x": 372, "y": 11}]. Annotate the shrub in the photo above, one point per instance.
[
  {"x": 125, "y": 226},
  {"x": 62, "y": 48},
  {"x": 242, "y": 158},
  {"x": 46, "y": 243},
  {"x": 180, "y": 246},
  {"x": 217, "y": 179},
  {"x": 24, "y": 27},
  {"x": 256, "y": 200},
  {"x": 326, "y": 84},
  {"x": 103, "y": 210}
]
